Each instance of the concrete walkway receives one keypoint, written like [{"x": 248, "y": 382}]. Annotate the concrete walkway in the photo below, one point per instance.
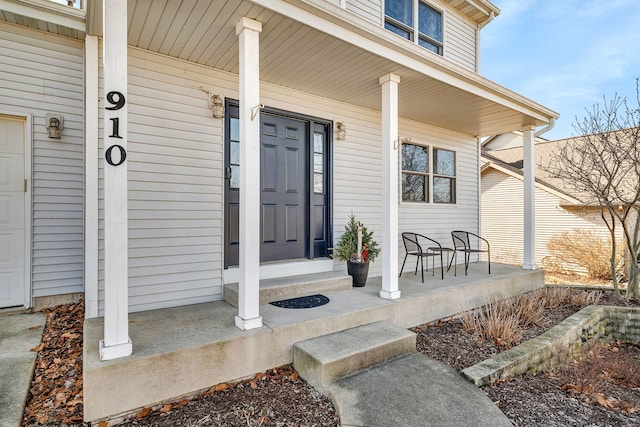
[
  {"x": 412, "y": 391},
  {"x": 19, "y": 333}
]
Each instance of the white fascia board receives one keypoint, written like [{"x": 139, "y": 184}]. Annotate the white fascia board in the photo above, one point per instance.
[
  {"x": 569, "y": 199},
  {"x": 340, "y": 23},
  {"x": 47, "y": 11}
]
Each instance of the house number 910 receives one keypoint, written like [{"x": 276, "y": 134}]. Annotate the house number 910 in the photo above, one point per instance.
[{"x": 116, "y": 99}]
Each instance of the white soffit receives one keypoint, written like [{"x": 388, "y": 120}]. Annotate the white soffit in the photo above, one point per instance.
[{"x": 329, "y": 52}]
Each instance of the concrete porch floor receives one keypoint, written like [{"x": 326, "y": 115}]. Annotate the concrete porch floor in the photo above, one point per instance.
[{"x": 180, "y": 351}]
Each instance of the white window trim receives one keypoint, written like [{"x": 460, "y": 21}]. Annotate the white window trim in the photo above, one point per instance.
[
  {"x": 429, "y": 174},
  {"x": 416, "y": 33}
]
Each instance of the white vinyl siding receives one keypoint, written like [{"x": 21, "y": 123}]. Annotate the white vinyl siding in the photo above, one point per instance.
[
  {"x": 368, "y": 9},
  {"x": 42, "y": 73},
  {"x": 174, "y": 186},
  {"x": 459, "y": 33},
  {"x": 176, "y": 181},
  {"x": 502, "y": 218},
  {"x": 459, "y": 40},
  {"x": 436, "y": 220}
]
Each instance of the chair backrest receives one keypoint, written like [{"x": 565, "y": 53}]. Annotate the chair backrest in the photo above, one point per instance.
[
  {"x": 411, "y": 242},
  {"x": 461, "y": 239}
]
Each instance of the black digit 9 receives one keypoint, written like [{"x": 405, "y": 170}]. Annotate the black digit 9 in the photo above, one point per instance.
[{"x": 116, "y": 99}]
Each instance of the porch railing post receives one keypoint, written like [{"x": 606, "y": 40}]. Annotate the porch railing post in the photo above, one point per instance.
[
  {"x": 248, "y": 32},
  {"x": 390, "y": 145}
]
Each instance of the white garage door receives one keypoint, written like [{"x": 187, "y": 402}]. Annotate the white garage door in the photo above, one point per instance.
[{"x": 12, "y": 215}]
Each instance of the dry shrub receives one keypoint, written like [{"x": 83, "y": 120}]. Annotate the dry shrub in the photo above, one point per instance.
[
  {"x": 528, "y": 308},
  {"x": 554, "y": 297},
  {"x": 494, "y": 321},
  {"x": 585, "y": 249},
  {"x": 501, "y": 321}
]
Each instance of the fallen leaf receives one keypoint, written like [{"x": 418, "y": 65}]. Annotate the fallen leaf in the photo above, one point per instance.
[
  {"x": 33, "y": 328},
  {"x": 75, "y": 402},
  {"x": 38, "y": 347},
  {"x": 143, "y": 413},
  {"x": 221, "y": 387},
  {"x": 70, "y": 335},
  {"x": 165, "y": 408},
  {"x": 253, "y": 385}
]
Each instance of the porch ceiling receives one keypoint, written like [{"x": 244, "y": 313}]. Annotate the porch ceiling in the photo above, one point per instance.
[{"x": 330, "y": 61}]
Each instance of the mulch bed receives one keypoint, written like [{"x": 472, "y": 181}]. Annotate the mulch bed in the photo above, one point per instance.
[
  {"x": 564, "y": 397},
  {"x": 55, "y": 396}
]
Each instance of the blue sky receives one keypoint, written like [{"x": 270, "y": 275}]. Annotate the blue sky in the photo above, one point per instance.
[{"x": 564, "y": 54}]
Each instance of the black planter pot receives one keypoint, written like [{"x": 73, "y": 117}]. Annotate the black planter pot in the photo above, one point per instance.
[{"x": 358, "y": 272}]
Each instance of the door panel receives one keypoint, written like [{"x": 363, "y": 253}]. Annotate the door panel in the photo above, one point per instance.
[
  {"x": 12, "y": 215},
  {"x": 284, "y": 189}
]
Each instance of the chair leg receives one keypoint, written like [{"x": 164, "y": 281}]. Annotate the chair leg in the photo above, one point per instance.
[
  {"x": 441, "y": 266},
  {"x": 402, "y": 268},
  {"x": 451, "y": 262},
  {"x": 467, "y": 257},
  {"x": 417, "y": 261},
  {"x": 422, "y": 267},
  {"x": 433, "y": 266},
  {"x": 489, "y": 260}
]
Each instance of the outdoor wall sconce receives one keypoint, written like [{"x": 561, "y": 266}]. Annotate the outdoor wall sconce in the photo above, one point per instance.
[
  {"x": 217, "y": 106},
  {"x": 341, "y": 130},
  {"x": 55, "y": 124}
]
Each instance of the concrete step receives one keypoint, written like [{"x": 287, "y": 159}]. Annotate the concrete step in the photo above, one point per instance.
[
  {"x": 325, "y": 359},
  {"x": 293, "y": 287}
]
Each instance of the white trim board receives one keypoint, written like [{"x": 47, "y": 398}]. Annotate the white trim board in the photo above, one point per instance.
[
  {"x": 28, "y": 202},
  {"x": 272, "y": 271}
]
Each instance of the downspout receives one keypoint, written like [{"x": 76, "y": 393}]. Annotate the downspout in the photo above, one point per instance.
[
  {"x": 479, "y": 27},
  {"x": 547, "y": 128}
]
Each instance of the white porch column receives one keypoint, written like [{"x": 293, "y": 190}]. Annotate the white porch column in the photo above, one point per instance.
[
  {"x": 91, "y": 177},
  {"x": 529, "y": 168},
  {"x": 389, "y": 85},
  {"x": 116, "y": 341},
  {"x": 248, "y": 316}
]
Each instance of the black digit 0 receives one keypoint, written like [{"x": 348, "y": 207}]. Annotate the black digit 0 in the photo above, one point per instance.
[
  {"x": 116, "y": 99},
  {"x": 109, "y": 159}
]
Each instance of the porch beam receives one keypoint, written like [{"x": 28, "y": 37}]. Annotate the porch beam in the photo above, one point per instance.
[
  {"x": 116, "y": 342},
  {"x": 529, "y": 168},
  {"x": 248, "y": 32},
  {"x": 389, "y": 84}
]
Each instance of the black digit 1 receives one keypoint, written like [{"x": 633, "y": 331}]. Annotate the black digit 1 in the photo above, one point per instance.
[
  {"x": 116, "y": 99},
  {"x": 109, "y": 159},
  {"x": 115, "y": 128}
]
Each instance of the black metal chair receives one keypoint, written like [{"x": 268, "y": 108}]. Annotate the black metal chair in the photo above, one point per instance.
[
  {"x": 414, "y": 244},
  {"x": 462, "y": 242}
]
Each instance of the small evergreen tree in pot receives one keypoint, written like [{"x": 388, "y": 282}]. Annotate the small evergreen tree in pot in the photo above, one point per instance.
[{"x": 357, "y": 247}]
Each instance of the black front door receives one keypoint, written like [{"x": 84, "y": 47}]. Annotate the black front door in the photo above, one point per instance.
[
  {"x": 294, "y": 183},
  {"x": 283, "y": 196}
]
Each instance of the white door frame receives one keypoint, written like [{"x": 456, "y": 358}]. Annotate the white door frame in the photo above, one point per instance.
[{"x": 28, "y": 232}]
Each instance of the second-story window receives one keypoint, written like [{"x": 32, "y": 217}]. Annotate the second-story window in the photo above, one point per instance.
[{"x": 426, "y": 31}]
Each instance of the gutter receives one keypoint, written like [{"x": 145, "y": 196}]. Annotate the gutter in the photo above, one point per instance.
[
  {"x": 547, "y": 128},
  {"x": 479, "y": 27}
]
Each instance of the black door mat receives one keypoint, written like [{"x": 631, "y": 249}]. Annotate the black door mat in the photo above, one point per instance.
[{"x": 302, "y": 302}]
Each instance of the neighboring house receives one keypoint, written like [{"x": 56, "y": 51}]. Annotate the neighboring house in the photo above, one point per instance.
[
  {"x": 556, "y": 208},
  {"x": 128, "y": 131}
]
